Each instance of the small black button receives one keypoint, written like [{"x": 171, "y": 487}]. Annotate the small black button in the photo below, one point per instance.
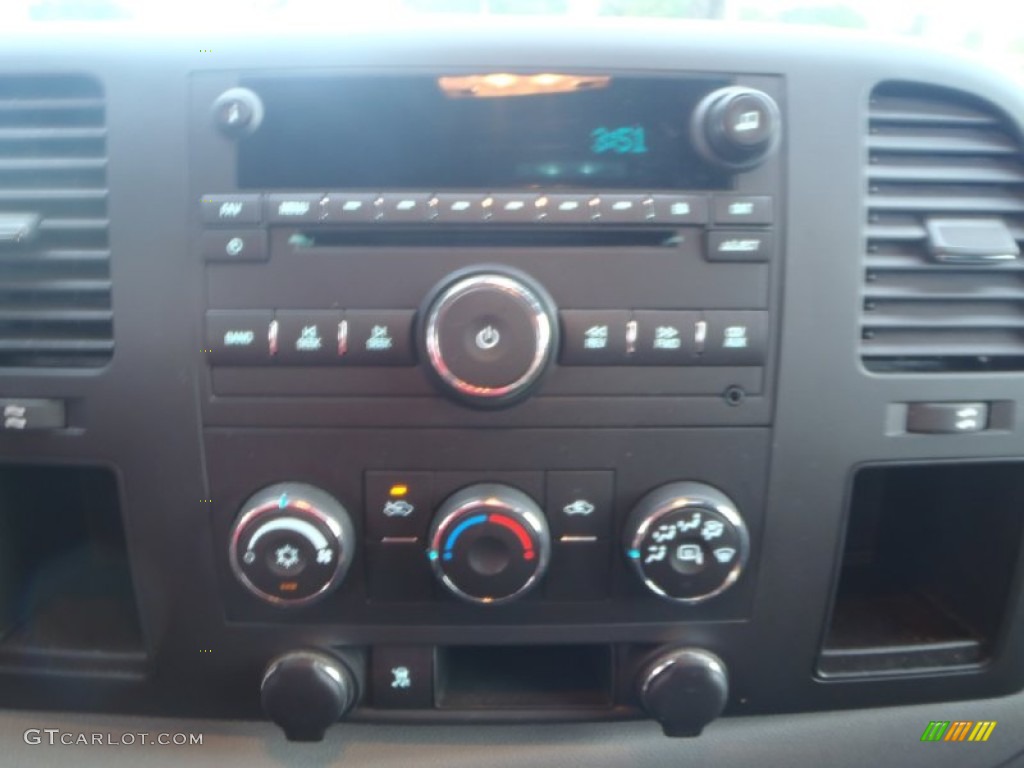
[
  {"x": 735, "y": 338},
  {"x": 680, "y": 209},
  {"x": 296, "y": 208},
  {"x": 398, "y": 572},
  {"x": 379, "y": 337},
  {"x": 399, "y": 504},
  {"x": 744, "y": 209},
  {"x": 309, "y": 337},
  {"x": 511, "y": 208},
  {"x": 31, "y": 414},
  {"x": 739, "y": 245},
  {"x": 947, "y": 418},
  {"x": 594, "y": 337},
  {"x": 404, "y": 208},
  {"x": 579, "y": 503},
  {"x": 453, "y": 208},
  {"x": 234, "y": 245},
  {"x": 239, "y": 337},
  {"x": 230, "y": 210},
  {"x": 578, "y": 571},
  {"x": 403, "y": 677},
  {"x": 350, "y": 207},
  {"x": 666, "y": 338},
  {"x": 570, "y": 209},
  {"x": 623, "y": 209}
]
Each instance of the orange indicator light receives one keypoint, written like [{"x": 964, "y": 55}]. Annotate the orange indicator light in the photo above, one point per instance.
[
  {"x": 288, "y": 586},
  {"x": 399, "y": 490}
]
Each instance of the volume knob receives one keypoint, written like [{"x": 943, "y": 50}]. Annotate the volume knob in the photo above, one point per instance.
[{"x": 488, "y": 336}]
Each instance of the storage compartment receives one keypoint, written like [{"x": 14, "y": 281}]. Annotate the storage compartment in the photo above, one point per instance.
[
  {"x": 66, "y": 597},
  {"x": 521, "y": 677},
  {"x": 927, "y": 568}
]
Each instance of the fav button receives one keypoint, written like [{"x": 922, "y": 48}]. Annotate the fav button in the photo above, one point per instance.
[
  {"x": 230, "y": 210},
  {"x": 379, "y": 337}
]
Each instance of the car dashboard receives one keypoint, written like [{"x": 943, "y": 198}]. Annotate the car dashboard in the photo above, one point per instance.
[{"x": 379, "y": 382}]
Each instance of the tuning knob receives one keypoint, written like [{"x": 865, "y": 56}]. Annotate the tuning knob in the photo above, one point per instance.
[
  {"x": 736, "y": 127},
  {"x": 489, "y": 544},
  {"x": 687, "y": 542},
  {"x": 305, "y": 692},
  {"x": 684, "y": 690},
  {"x": 291, "y": 544},
  {"x": 488, "y": 336}
]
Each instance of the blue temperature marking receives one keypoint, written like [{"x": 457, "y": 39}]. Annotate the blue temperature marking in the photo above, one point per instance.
[
  {"x": 283, "y": 501},
  {"x": 634, "y": 554},
  {"x": 450, "y": 544}
]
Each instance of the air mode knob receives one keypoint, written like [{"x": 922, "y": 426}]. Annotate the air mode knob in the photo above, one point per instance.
[
  {"x": 489, "y": 544},
  {"x": 488, "y": 336},
  {"x": 736, "y": 127},
  {"x": 291, "y": 544},
  {"x": 687, "y": 542}
]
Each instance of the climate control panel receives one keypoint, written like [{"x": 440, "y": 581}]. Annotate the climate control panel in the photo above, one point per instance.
[{"x": 488, "y": 543}]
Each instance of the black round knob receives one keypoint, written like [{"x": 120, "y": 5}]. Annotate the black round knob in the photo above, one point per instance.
[
  {"x": 489, "y": 544},
  {"x": 736, "y": 127},
  {"x": 291, "y": 544},
  {"x": 237, "y": 112},
  {"x": 684, "y": 690},
  {"x": 305, "y": 692},
  {"x": 687, "y": 542},
  {"x": 488, "y": 336}
]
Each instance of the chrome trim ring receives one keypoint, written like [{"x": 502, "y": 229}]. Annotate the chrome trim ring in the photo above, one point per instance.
[{"x": 540, "y": 320}]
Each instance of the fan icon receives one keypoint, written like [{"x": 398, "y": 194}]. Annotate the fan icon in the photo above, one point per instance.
[{"x": 287, "y": 557}]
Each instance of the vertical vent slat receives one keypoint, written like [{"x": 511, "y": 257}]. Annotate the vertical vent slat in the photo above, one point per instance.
[
  {"x": 55, "y": 293},
  {"x": 937, "y": 152}
]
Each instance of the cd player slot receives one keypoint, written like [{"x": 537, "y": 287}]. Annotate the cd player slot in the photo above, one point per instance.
[{"x": 475, "y": 238}]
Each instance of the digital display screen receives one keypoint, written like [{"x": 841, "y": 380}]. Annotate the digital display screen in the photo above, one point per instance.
[{"x": 487, "y": 132}]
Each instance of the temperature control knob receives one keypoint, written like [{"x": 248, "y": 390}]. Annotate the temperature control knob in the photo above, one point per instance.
[
  {"x": 291, "y": 544},
  {"x": 488, "y": 336},
  {"x": 489, "y": 544},
  {"x": 736, "y": 127},
  {"x": 687, "y": 542}
]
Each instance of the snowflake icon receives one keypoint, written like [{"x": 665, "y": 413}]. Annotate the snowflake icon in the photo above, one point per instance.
[{"x": 287, "y": 557}]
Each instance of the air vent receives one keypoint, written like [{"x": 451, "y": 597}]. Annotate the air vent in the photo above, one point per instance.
[
  {"x": 941, "y": 156},
  {"x": 55, "y": 305}
]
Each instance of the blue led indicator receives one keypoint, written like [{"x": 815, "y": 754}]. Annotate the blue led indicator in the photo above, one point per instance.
[
  {"x": 450, "y": 544},
  {"x": 432, "y": 554},
  {"x": 283, "y": 501},
  {"x": 634, "y": 554}
]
